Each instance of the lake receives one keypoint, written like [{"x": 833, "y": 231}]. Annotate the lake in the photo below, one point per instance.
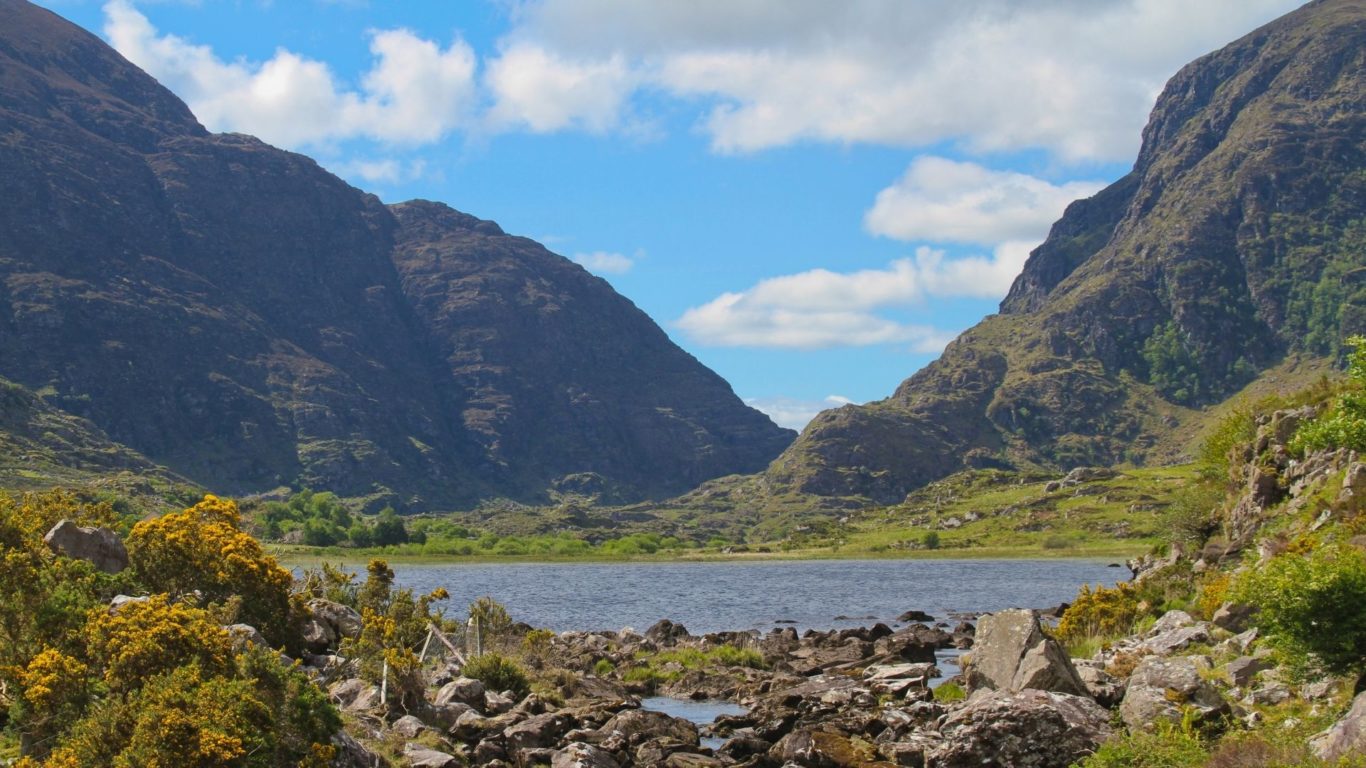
[{"x": 713, "y": 596}]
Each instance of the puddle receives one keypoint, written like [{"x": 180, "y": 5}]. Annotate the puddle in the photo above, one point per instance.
[{"x": 699, "y": 712}]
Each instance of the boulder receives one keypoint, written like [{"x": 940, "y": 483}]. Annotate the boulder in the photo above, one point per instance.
[
  {"x": 465, "y": 690},
  {"x": 351, "y": 753},
  {"x": 1025, "y": 729},
  {"x": 581, "y": 755},
  {"x": 914, "y": 615},
  {"x": 665, "y": 632},
  {"x": 496, "y": 703},
  {"x": 1243, "y": 669},
  {"x": 409, "y": 727},
  {"x": 1344, "y": 738},
  {"x": 354, "y": 694},
  {"x": 100, "y": 546},
  {"x": 418, "y": 756},
  {"x": 317, "y": 636},
  {"x": 341, "y": 619},
  {"x": 1233, "y": 616},
  {"x": 537, "y": 732},
  {"x": 820, "y": 749},
  {"x": 1161, "y": 688},
  {"x": 1011, "y": 653},
  {"x": 245, "y": 635},
  {"x": 639, "y": 725}
]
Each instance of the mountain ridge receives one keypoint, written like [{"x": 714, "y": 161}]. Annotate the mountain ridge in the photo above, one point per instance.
[
  {"x": 1234, "y": 241},
  {"x": 234, "y": 312}
]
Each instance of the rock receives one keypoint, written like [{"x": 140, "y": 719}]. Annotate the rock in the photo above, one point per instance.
[
  {"x": 742, "y": 746},
  {"x": 317, "y": 636},
  {"x": 443, "y": 716},
  {"x": 1169, "y": 621},
  {"x": 496, "y": 703},
  {"x": 1026, "y": 729},
  {"x": 489, "y": 751},
  {"x": 581, "y": 755},
  {"x": 1171, "y": 641},
  {"x": 100, "y": 546},
  {"x": 119, "y": 601},
  {"x": 914, "y": 615},
  {"x": 1353, "y": 493},
  {"x": 1103, "y": 687},
  {"x": 465, "y": 690},
  {"x": 638, "y": 725},
  {"x": 691, "y": 760},
  {"x": 665, "y": 632},
  {"x": 1270, "y": 694},
  {"x": 819, "y": 749},
  {"x": 418, "y": 756},
  {"x": 1233, "y": 616},
  {"x": 1088, "y": 475},
  {"x": 351, "y": 753},
  {"x": 244, "y": 635},
  {"x": 408, "y": 726},
  {"x": 1344, "y": 738},
  {"x": 1243, "y": 669},
  {"x": 341, "y": 619},
  {"x": 1010, "y": 652},
  {"x": 354, "y": 694},
  {"x": 1160, "y": 688},
  {"x": 537, "y": 732}
]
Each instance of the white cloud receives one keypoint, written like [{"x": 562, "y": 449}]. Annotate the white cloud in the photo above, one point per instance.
[
  {"x": 605, "y": 262},
  {"x": 820, "y": 308},
  {"x": 536, "y": 89},
  {"x": 416, "y": 92},
  {"x": 381, "y": 171},
  {"x": 943, "y": 200},
  {"x": 794, "y": 413},
  {"x": 1075, "y": 78}
]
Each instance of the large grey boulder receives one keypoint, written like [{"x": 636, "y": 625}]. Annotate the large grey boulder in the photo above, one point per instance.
[
  {"x": 1012, "y": 653},
  {"x": 465, "y": 690},
  {"x": 638, "y": 725},
  {"x": 342, "y": 620},
  {"x": 1345, "y": 737},
  {"x": 1025, "y": 729},
  {"x": 537, "y": 732},
  {"x": 100, "y": 546},
  {"x": 581, "y": 755},
  {"x": 1164, "y": 688}
]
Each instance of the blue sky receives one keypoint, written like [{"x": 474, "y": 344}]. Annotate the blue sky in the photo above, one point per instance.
[{"x": 810, "y": 197}]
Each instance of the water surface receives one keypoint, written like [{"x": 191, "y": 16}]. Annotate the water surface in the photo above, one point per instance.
[{"x": 714, "y": 596}]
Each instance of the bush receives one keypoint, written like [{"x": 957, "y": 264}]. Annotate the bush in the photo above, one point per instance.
[
  {"x": 1313, "y": 608},
  {"x": 1096, "y": 613},
  {"x": 949, "y": 691},
  {"x": 930, "y": 540},
  {"x": 203, "y": 550},
  {"x": 1343, "y": 425},
  {"x": 498, "y": 673}
]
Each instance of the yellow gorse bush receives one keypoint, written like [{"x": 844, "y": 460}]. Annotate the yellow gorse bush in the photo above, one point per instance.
[
  {"x": 1101, "y": 612},
  {"x": 203, "y": 551},
  {"x": 146, "y": 638}
]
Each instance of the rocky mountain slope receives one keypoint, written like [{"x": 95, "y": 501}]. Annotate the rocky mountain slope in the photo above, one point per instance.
[
  {"x": 238, "y": 314},
  {"x": 1236, "y": 240}
]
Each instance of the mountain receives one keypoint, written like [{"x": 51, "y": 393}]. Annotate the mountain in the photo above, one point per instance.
[
  {"x": 1236, "y": 240},
  {"x": 239, "y": 315}
]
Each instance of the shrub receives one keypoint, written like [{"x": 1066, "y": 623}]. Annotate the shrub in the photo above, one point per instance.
[
  {"x": 1343, "y": 425},
  {"x": 203, "y": 550},
  {"x": 930, "y": 540},
  {"x": 731, "y": 656},
  {"x": 1313, "y": 608},
  {"x": 153, "y": 636},
  {"x": 498, "y": 673},
  {"x": 1101, "y": 612}
]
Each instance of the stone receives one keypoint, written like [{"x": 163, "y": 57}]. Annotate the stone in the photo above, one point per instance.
[
  {"x": 537, "y": 732},
  {"x": 1233, "y": 617},
  {"x": 418, "y": 756},
  {"x": 245, "y": 635},
  {"x": 317, "y": 636},
  {"x": 351, "y": 753},
  {"x": 343, "y": 620},
  {"x": 665, "y": 632},
  {"x": 914, "y": 615},
  {"x": 465, "y": 690},
  {"x": 581, "y": 755},
  {"x": 99, "y": 546},
  {"x": 1025, "y": 729},
  {"x": 1160, "y": 688},
  {"x": 408, "y": 726},
  {"x": 1344, "y": 738},
  {"x": 496, "y": 703},
  {"x": 120, "y": 601},
  {"x": 354, "y": 694},
  {"x": 443, "y": 716},
  {"x": 1243, "y": 669},
  {"x": 638, "y": 725},
  {"x": 1171, "y": 641},
  {"x": 1011, "y": 652},
  {"x": 819, "y": 749}
]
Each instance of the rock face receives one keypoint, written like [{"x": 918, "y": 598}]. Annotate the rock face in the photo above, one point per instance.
[
  {"x": 1162, "y": 689},
  {"x": 1011, "y": 653},
  {"x": 1029, "y": 729},
  {"x": 101, "y": 546},
  {"x": 236, "y": 313},
  {"x": 1184, "y": 276},
  {"x": 1346, "y": 737}
]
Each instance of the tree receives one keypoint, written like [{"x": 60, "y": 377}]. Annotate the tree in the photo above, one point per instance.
[{"x": 389, "y": 528}]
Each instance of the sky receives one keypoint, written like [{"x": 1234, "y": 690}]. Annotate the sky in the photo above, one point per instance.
[{"x": 811, "y": 197}]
